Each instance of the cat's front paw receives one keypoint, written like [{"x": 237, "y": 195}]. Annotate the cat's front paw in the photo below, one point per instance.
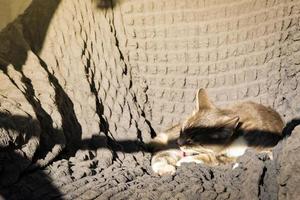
[
  {"x": 167, "y": 170},
  {"x": 163, "y": 169}
]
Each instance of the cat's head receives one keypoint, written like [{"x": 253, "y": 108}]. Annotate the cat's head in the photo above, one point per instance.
[{"x": 208, "y": 127}]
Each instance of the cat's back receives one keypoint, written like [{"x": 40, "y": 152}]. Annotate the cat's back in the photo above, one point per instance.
[{"x": 254, "y": 116}]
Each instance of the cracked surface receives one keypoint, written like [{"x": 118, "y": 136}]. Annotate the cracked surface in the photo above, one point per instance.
[{"x": 84, "y": 83}]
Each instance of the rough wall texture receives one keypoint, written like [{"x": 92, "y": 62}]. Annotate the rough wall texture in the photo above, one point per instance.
[{"x": 84, "y": 83}]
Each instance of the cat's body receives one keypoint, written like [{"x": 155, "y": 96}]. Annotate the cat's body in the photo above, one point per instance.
[{"x": 216, "y": 136}]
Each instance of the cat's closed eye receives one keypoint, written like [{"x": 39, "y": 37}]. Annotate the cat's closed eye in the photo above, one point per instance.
[
  {"x": 221, "y": 134},
  {"x": 182, "y": 141}
]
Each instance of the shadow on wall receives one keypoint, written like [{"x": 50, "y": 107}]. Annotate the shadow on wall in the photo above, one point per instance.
[
  {"x": 11, "y": 191},
  {"x": 14, "y": 165},
  {"x": 24, "y": 39},
  {"x": 13, "y": 161},
  {"x": 105, "y": 4},
  {"x": 38, "y": 14},
  {"x": 9, "y": 10},
  {"x": 13, "y": 134}
]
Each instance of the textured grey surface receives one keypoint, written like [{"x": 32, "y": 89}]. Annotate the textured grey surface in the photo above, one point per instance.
[{"x": 84, "y": 83}]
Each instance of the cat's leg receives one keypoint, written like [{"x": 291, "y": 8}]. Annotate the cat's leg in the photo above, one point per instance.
[
  {"x": 164, "y": 162},
  {"x": 163, "y": 168},
  {"x": 223, "y": 159}
]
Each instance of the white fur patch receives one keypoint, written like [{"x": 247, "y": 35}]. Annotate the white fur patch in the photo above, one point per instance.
[
  {"x": 163, "y": 137},
  {"x": 188, "y": 159},
  {"x": 237, "y": 148},
  {"x": 156, "y": 166},
  {"x": 163, "y": 168},
  {"x": 235, "y": 165},
  {"x": 270, "y": 155}
]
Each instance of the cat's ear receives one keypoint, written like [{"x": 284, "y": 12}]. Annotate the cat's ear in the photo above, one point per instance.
[
  {"x": 202, "y": 100},
  {"x": 231, "y": 121}
]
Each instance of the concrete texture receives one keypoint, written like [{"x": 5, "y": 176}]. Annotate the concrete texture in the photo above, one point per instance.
[{"x": 84, "y": 84}]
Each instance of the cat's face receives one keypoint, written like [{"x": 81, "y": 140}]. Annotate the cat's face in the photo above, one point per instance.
[{"x": 208, "y": 128}]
